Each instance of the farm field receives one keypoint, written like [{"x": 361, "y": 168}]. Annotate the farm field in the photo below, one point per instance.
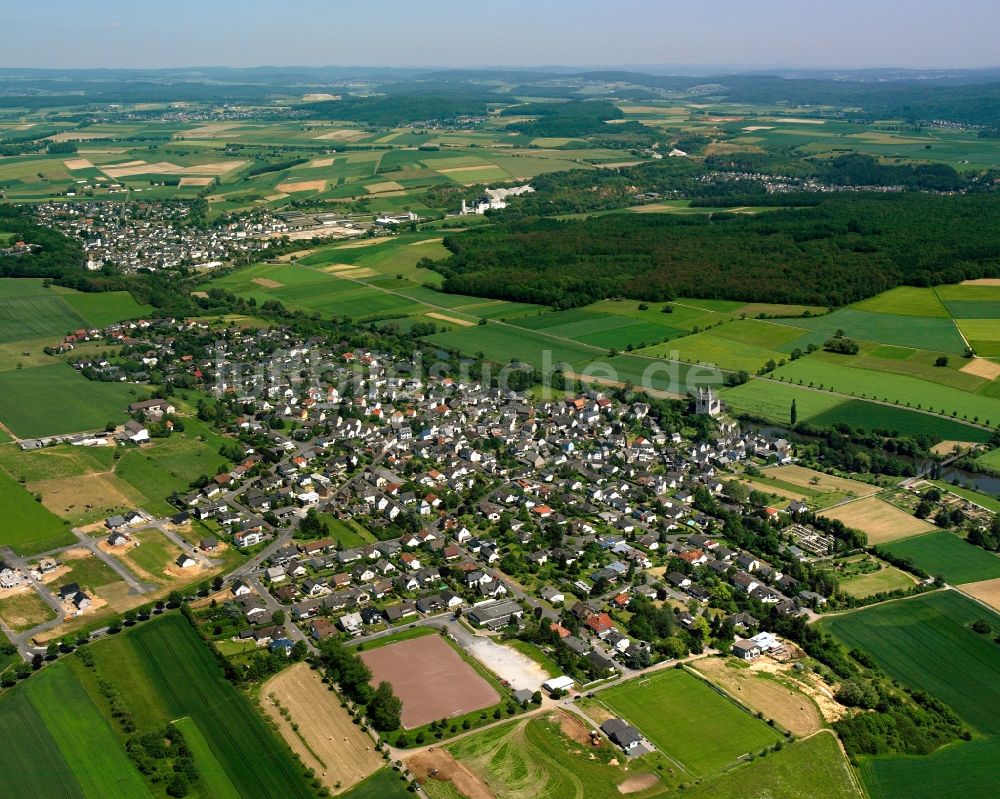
[
  {"x": 879, "y": 520},
  {"x": 986, "y": 591},
  {"x": 678, "y": 713},
  {"x": 29, "y": 397},
  {"x": 924, "y": 642},
  {"x": 383, "y": 784},
  {"x": 891, "y": 388},
  {"x": 430, "y": 678},
  {"x": 873, "y": 416},
  {"x": 814, "y": 767},
  {"x": 325, "y": 736},
  {"x": 966, "y": 769},
  {"x": 944, "y": 553},
  {"x": 820, "y": 481},
  {"x": 56, "y": 744},
  {"x": 177, "y": 676},
  {"x": 28, "y": 526},
  {"x": 771, "y": 400},
  {"x": 548, "y": 757}
]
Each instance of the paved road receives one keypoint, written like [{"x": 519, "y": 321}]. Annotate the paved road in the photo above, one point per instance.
[{"x": 137, "y": 586}]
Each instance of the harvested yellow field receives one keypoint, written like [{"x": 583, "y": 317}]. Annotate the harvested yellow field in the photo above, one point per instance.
[
  {"x": 318, "y": 162},
  {"x": 343, "y": 134},
  {"x": 980, "y": 367},
  {"x": 441, "y": 317},
  {"x": 879, "y": 520},
  {"x": 351, "y": 272},
  {"x": 425, "y": 241},
  {"x": 982, "y": 281},
  {"x": 451, "y": 169},
  {"x": 73, "y": 496},
  {"x": 302, "y": 185},
  {"x": 196, "y": 181},
  {"x": 810, "y": 478},
  {"x": 166, "y": 168},
  {"x": 752, "y": 128},
  {"x": 388, "y": 185},
  {"x": 324, "y": 736},
  {"x": 797, "y": 120},
  {"x": 207, "y": 131},
  {"x": 77, "y": 163},
  {"x": 317, "y": 97},
  {"x": 986, "y": 591}
]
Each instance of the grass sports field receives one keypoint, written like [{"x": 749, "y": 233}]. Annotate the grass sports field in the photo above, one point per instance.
[
  {"x": 943, "y": 553},
  {"x": 25, "y": 525},
  {"x": 679, "y": 713},
  {"x": 925, "y": 642},
  {"x": 51, "y": 400},
  {"x": 166, "y": 672}
]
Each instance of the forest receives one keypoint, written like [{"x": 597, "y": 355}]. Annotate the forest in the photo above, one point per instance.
[{"x": 842, "y": 250}]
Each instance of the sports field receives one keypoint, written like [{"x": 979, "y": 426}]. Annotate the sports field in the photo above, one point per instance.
[
  {"x": 924, "y": 642},
  {"x": 56, "y": 399},
  {"x": 944, "y": 553},
  {"x": 680, "y": 713},
  {"x": 430, "y": 678},
  {"x": 879, "y": 520}
]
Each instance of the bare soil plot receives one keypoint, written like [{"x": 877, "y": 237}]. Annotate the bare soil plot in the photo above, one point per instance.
[
  {"x": 78, "y": 163},
  {"x": 981, "y": 281},
  {"x": 788, "y": 707},
  {"x": 267, "y": 283},
  {"x": 980, "y": 367},
  {"x": 638, "y": 783},
  {"x": 325, "y": 738},
  {"x": 800, "y": 475},
  {"x": 430, "y": 678},
  {"x": 438, "y": 764},
  {"x": 452, "y": 319},
  {"x": 196, "y": 181},
  {"x": 881, "y": 521},
  {"x": 302, "y": 185},
  {"x": 986, "y": 591}
]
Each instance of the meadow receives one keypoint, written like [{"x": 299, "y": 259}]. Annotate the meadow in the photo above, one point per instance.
[
  {"x": 679, "y": 713},
  {"x": 383, "y": 784},
  {"x": 26, "y": 526},
  {"x": 945, "y": 554}
]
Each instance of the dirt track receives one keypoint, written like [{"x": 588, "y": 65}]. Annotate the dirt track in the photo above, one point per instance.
[{"x": 438, "y": 764}]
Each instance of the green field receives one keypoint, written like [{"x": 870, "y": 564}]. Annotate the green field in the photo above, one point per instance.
[
  {"x": 166, "y": 673},
  {"x": 808, "y": 769},
  {"x": 383, "y": 784},
  {"x": 943, "y": 553},
  {"x": 533, "y": 758},
  {"x": 888, "y": 578},
  {"x": 56, "y": 399},
  {"x": 864, "y": 383},
  {"x": 964, "y": 769},
  {"x": 680, "y": 713},
  {"x": 210, "y": 770},
  {"x": 28, "y": 526},
  {"x": 348, "y": 534},
  {"x": 925, "y": 643},
  {"x": 56, "y": 743},
  {"x": 771, "y": 400},
  {"x": 103, "y": 308},
  {"x": 873, "y": 416},
  {"x": 920, "y": 332}
]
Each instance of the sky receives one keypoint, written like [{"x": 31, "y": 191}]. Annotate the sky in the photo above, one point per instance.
[{"x": 426, "y": 33}]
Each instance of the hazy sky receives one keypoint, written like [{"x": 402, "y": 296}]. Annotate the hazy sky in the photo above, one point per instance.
[{"x": 155, "y": 33}]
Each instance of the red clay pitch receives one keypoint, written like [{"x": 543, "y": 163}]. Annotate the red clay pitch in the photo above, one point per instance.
[{"x": 430, "y": 678}]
